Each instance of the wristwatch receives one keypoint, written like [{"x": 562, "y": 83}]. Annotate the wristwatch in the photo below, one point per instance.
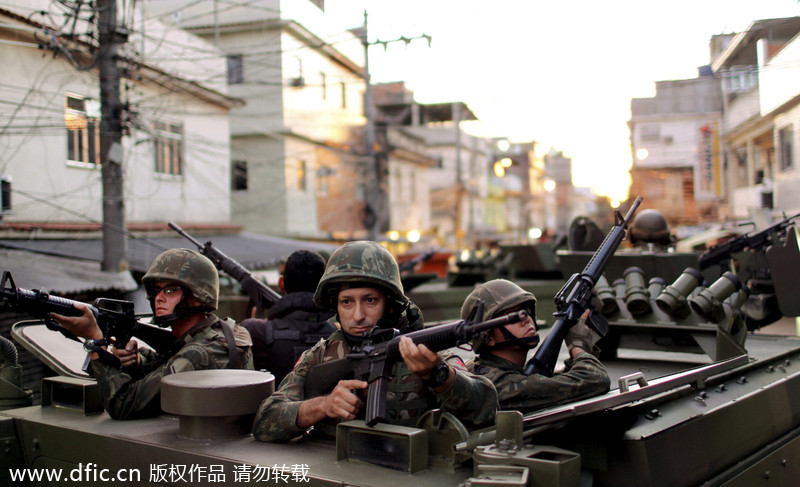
[{"x": 439, "y": 375}]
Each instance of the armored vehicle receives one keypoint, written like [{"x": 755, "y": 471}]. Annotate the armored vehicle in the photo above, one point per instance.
[{"x": 697, "y": 398}]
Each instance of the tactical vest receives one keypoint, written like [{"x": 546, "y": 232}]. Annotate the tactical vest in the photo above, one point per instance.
[{"x": 294, "y": 325}]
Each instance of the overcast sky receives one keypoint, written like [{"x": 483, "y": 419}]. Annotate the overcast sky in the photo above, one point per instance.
[{"x": 561, "y": 73}]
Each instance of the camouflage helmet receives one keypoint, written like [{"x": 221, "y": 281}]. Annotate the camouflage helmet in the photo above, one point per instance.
[
  {"x": 498, "y": 296},
  {"x": 189, "y": 268},
  {"x": 649, "y": 226},
  {"x": 359, "y": 264}
]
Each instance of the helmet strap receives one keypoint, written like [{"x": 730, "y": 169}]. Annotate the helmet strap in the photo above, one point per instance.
[
  {"x": 526, "y": 343},
  {"x": 181, "y": 311}
]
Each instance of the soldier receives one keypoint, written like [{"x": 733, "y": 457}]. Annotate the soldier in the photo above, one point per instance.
[
  {"x": 502, "y": 353},
  {"x": 183, "y": 287},
  {"x": 362, "y": 282},
  {"x": 294, "y": 323}
]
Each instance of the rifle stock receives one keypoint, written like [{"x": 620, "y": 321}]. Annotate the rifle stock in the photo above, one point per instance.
[
  {"x": 373, "y": 363},
  {"x": 262, "y": 295},
  {"x": 115, "y": 318},
  {"x": 579, "y": 287}
]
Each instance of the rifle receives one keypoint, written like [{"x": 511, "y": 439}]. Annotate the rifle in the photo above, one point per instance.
[
  {"x": 408, "y": 265},
  {"x": 262, "y": 295},
  {"x": 373, "y": 363},
  {"x": 579, "y": 287},
  {"x": 115, "y": 318},
  {"x": 719, "y": 254}
]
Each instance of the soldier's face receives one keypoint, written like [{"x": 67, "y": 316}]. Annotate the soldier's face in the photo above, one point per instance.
[
  {"x": 360, "y": 309},
  {"x": 521, "y": 329},
  {"x": 168, "y": 294}
]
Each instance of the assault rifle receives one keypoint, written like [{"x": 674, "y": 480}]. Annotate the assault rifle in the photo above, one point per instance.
[
  {"x": 116, "y": 318},
  {"x": 408, "y": 265},
  {"x": 570, "y": 307},
  {"x": 262, "y": 295},
  {"x": 373, "y": 362},
  {"x": 720, "y": 254}
]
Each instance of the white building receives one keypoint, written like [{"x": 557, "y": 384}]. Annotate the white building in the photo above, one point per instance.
[
  {"x": 761, "y": 97},
  {"x": 175, "y": 147},
  {"x": 297, "y": 145}
]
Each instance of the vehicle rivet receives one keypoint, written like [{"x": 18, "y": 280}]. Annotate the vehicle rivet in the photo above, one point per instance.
[
  {"x": 741, "y": 380},
  {"x": 721, "y": 388},
  {"x": 652, "y": 414},
  {"x": 36, "y": 443},
  {"x": 766, "y": 474},
  {"x": 784, "y": 462},
  {"x": 770, "y": 369}
]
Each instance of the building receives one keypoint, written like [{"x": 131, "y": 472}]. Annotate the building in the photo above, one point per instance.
[
  {"x": 299, "y": 165},
  {"x": 758, "y": 73},
  {"x": 175, "y": 148},
  {"x": 677, "y": 161}
]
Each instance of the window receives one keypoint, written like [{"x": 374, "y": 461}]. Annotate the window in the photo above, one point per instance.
[
  {"x": 169, "y": 147},
  {"x": 344, "y": 94},
  {"x": 82, "y": 118},
  {"x": 324, "y": 86},
  {"x": 785, "y": 146},
  {"x": 650, "y": 133},
  {"x": 301, "y": 175},
  {"x": 740, "y": 79},
  {"x": 324, "y": 174},
  {"x": 235, "y": 69},
  {"x": 239, "y": 176}
]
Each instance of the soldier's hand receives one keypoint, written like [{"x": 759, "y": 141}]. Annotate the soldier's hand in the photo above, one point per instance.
[
  {"x": 128, "y": 356},
  {"x": 581, "y": 336},
  {"x": 343, "y": 402},
  {"x": 84, "y": 326},
  {"x": 419, "y": 359}
]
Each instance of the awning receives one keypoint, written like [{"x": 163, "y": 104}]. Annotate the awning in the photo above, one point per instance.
[
  {"x": 250, "y": 250},
  {"x": 60, "y": 275}
]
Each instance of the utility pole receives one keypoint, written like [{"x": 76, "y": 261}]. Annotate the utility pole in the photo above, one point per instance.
[
  {"x": 114, "y": 243},
  {"x": 374, "y": 188},
  {"x": 373, "y": 193}
]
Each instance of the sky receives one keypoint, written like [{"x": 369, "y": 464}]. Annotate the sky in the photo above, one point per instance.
[{"x": 558, "y": 72}]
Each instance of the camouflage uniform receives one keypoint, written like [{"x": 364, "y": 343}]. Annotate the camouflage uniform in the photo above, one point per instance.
[
  {"x": 583, "y": 376},
  {"x": 357, "y": 264},
  {"x": 471, "y": 398},
  {"x": 135, "y": 392}
]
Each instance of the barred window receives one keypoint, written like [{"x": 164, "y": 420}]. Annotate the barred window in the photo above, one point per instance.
[
  {"x": 169, "y": 147},
  {"x": 82, "y": 118}
]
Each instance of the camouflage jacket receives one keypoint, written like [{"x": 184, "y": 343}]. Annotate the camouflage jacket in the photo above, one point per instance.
[
  {"x": 584, "y": 376},
  {"x": 135, "y": 392},
  {"x": 471, "y": 398}
]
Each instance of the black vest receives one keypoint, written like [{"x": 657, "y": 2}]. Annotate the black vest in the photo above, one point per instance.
[{"x": 292, "y": 326}]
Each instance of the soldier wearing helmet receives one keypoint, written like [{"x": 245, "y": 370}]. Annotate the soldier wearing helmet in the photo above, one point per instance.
[
  {"x": 362, "y": 285},
  {"x": 501, "y": 353},
  {"x": 183, "y": 287}
]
